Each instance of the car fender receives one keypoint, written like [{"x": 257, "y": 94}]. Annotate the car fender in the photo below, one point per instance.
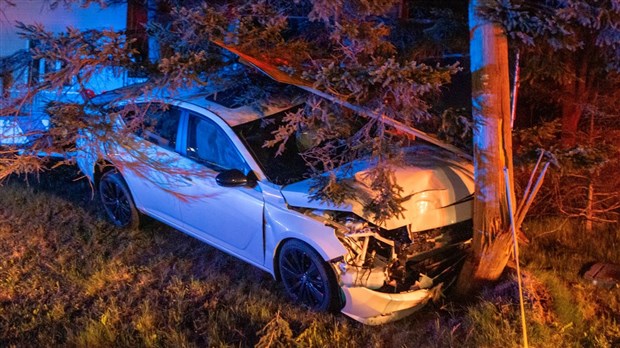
[{"x": 282, "y": 224}]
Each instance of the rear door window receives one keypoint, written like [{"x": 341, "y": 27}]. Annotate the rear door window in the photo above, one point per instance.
[{"x": 160, "y": 124}]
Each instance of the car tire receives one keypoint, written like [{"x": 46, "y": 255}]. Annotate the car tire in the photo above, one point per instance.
[
  {"x": 117, "y": 200},
  {"x": 307, "y": 278}
]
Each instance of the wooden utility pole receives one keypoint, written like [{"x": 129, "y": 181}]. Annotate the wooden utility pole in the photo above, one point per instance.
[{"x": 492, "y": 152}]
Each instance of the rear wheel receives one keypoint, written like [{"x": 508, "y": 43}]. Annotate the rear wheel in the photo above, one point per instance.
[
  {"x": 117, "y": 201},
  {"x": 308, "y": 279}
]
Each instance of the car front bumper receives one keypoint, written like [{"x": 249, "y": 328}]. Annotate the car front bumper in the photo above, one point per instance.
[{"x": 375, "y": 308}]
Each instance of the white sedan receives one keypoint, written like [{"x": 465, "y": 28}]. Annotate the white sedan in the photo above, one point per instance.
[{"x": 200, "y": 166}]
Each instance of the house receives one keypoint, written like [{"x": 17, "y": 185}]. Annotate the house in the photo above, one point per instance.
[
  {"x": 55, "y": 19},
  {"x": 129, "y": 16}
]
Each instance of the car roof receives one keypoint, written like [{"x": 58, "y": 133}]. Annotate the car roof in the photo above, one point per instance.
[
  {"x": 221, "y": 97},
  {"x": 239, "y": 114}
]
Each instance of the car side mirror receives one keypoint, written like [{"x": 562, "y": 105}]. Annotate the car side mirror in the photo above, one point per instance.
[{"x": 234, "y": 177}]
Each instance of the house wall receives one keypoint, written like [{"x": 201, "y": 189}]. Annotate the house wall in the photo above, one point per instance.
[{"x": 56, "y": 20}]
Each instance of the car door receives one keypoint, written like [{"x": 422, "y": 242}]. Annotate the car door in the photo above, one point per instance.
[
  {"x": 152, "y": 162},
  {"x": 230, "y": 218}
]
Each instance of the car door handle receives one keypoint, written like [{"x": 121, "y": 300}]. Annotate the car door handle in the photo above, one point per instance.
[{"x": 186, "y": 178}]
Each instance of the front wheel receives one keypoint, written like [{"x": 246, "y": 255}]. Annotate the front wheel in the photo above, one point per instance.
[
  {"x": 307, "y": 278},
  {"x": 117, "y": 200}
]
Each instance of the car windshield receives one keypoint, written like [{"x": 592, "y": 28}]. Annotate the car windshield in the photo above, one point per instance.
[{"x": 284, "y": 169}]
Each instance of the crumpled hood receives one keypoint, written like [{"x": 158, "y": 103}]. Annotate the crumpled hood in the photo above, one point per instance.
[{"x": 438, "y": 186}]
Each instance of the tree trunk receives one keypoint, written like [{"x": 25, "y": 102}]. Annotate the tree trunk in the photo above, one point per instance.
[
  {"x": 575, "y": 97},
  {"x": 590, "y": 206},
  {"x": 571, "y": 114},
  {"x": 590, "y": 198},
  {"x": 403, "y": 10},
  {"x": 492, "y": 152}
]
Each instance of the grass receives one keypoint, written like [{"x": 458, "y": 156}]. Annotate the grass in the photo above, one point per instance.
[{"x": 68, "y": 278}]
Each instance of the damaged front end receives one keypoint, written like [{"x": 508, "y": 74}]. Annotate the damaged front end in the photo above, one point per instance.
[{"x": 388, "y": 274}]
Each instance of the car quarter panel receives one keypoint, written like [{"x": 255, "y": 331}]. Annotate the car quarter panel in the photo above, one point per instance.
[{"x": 86, "y": 157}]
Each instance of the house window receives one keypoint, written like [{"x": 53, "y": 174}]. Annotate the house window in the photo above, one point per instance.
[{"x": 34, "y": 68}]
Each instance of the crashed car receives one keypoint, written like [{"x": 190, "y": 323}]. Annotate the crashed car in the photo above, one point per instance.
[{"x": 200, "y": 166}]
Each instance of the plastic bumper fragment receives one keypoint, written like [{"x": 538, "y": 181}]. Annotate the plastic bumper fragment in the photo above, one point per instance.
[{"x": 375, "y": 308}]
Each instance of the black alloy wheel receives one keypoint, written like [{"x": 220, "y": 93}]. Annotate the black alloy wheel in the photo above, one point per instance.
[
  {"x": 117, "y": 200},
  {"x": 307, "y": 278}
]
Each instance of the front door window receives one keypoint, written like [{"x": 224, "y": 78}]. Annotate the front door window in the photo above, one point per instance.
[{"x": 208, "y": 144}]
